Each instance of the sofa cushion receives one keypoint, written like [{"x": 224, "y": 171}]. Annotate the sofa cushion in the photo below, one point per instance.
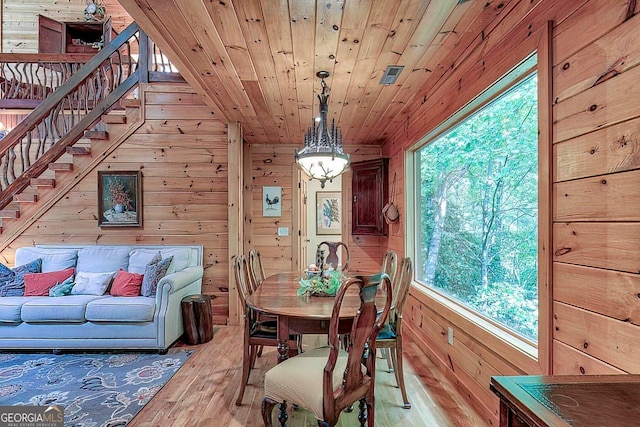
[
  {"x": 52, "y": 259},
  {"x": 101, "y": 259},
  {"x": 139, "y": 258},
  {"x": 10, "y": 308},
  {"x": 91, "y": 283},
  {"x": 12, "y": 281},
  {"x": 121, "y": 309},
  {"x": 70, "y": 309},
  {"x": 126, "y": 284},
  {"x": 39, "y": 284}
]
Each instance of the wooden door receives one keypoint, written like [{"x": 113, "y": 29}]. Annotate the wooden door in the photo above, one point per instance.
[
  {"x": 301, "y": 204},
  {"x": 106, "y": 32},
  {"x": 52, "y": 35}
]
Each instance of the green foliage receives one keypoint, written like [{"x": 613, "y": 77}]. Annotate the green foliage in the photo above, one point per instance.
[
  {"x": 478, "y": 210},
  {"x": 325, "y": 284}
]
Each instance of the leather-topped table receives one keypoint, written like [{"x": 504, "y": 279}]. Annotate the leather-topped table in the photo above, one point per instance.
[{"x": 568, "y": 400}]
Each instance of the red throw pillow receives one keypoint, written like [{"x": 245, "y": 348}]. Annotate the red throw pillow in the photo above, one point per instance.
[
  {"x": 38, "y": 284},
  {"x": 126, "y": 284}
]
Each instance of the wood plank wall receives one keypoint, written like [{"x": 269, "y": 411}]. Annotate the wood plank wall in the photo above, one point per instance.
[
  {"x": 270, "y": 166},
  {"x": 20, "y": 20},
  {"x": 274, "y": 166},
  {"x": 596, "y": 224},
  {"x": 181, "y": 150},
  {"x": 596, "y": 220}
]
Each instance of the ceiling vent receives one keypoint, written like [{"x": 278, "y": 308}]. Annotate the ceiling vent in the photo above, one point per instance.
[{"x": 391, "y": 74}]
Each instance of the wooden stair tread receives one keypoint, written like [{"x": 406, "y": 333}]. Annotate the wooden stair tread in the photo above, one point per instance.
[
  {"x": 130, "y": 102},
  {"x": 114, "y": 119},
  {"x": 79, "y": 151},
  {"x": 96, "y": 134},
  {"x": 9, "y": 213},
  {"x": 43, "y": 182},
  {"x": 61, "y": 166},
  {"x": 25, "y": 198}
]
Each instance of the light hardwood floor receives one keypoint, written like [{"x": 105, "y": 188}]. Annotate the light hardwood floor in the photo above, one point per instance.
[{"x": 203, "y": 392}]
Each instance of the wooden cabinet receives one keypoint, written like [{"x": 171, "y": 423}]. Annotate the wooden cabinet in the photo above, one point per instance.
[
  {"x": 72, "y": 37},
  {"x": 369, "y": 191}
]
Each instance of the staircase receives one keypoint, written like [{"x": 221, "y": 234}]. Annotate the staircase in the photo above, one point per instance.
[
  {"x": 63, "y": 174},
  {"x": 69, "y": 133}
]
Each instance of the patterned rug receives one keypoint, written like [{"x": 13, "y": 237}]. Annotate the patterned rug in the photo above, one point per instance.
[{"x": 94, "y": 389}]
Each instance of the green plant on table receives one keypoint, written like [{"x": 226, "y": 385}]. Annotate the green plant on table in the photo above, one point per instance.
[{"x": 326, "y": 284}]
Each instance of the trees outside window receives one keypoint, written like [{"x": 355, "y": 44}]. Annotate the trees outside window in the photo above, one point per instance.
[{"x": 477, "y": 210}]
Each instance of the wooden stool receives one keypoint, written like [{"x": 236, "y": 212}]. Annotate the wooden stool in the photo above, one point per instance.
[{"x": 197, "y": 319}]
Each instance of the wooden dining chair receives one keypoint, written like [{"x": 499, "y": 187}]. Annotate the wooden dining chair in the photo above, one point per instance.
[
  {"x": 256, "y": 276},
  {"x": 327, "y": 380},
  {"x": 332, "y": 257},
  {"x": 389, "y": 266},
  {"x": 390, "y": 337},
  {"x": 257, "y": 332},
  {"x": 255, "y": 267}
]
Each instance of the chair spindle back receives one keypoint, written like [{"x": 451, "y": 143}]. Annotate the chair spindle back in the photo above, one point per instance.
[
  {"x": 362, "y": 345},
  {"x": 401, "y": 289},
  {"x": 256, "y": 270},
  {"x": 390, "y": 265},
  {"x": 332, "y": 256}
]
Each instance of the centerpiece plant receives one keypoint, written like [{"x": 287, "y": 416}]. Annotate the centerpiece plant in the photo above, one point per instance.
[{"x": 325, "y": 284}]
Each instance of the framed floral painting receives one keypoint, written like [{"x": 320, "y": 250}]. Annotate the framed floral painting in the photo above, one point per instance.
[
  {"x": 329, "y": 212},
  {"x": 120, "y": 199}
]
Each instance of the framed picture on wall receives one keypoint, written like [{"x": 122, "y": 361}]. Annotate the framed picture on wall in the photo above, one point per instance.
[
  {"x": 328, "y": 212},
  {"x": 272, "y": 201},
  {"x": 119, "y": 199}
]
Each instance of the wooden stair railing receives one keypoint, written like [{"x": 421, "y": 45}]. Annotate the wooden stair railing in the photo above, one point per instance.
[
  {"x": 62, "y": 118},
  {"x": 26, "y": 79}
]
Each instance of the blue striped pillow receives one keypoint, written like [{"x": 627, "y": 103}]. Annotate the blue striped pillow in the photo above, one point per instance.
[{"x": 12, "y": 280}]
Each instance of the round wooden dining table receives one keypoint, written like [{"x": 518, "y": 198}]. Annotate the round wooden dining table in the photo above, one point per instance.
[{"x": 277, "y": 296}]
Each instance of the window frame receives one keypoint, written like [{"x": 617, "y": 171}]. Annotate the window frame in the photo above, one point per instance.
[{"x": 531, "y": 357}]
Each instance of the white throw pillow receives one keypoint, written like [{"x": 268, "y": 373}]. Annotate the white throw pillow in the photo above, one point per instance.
[{"x": 91, "y": 283}]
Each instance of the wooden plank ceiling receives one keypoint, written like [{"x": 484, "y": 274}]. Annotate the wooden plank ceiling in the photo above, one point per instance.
[{"x": 254, "y": 61}]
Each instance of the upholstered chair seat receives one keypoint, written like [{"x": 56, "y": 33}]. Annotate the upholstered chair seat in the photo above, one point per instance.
[{"x": 282, "y": 382}]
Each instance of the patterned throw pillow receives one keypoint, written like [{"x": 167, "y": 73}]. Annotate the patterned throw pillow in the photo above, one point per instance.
[
  {"x": 91, "y": 283},
  {"x": 155, "y": 270},
  {"x": 62, "y": 289},
  {"x": 12, "y": 280}
]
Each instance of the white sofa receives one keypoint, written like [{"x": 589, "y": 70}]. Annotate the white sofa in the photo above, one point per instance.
[{"x": 82, "y": 322}]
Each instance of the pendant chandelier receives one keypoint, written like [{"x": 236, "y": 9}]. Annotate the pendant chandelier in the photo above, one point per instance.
[{"x": 322, "y": 157}]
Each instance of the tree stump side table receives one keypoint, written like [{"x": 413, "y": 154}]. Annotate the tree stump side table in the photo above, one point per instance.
[{"x": 197, "y": 319}]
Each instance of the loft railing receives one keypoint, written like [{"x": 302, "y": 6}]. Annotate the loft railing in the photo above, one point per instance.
[
  {"x": 77, "y": 101},
  {"x": 26, "y": 79}
]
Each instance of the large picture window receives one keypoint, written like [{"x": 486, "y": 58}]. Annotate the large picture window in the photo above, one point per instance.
[{"x": 477, "y": 207}]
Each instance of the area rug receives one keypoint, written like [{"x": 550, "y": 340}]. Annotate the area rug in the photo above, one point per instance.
[{"x": 94, "y": 389}]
